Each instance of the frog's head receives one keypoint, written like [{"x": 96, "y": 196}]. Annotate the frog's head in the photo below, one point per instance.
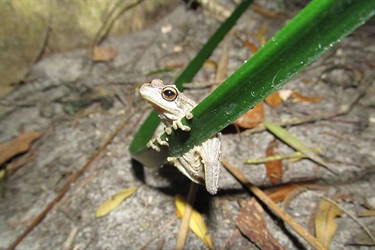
[{"x": 166, "y": 100}]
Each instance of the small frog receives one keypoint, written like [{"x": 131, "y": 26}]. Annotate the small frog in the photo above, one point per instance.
[{"x": 201, "y": 164}]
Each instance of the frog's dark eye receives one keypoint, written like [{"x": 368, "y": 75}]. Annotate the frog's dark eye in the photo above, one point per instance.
[{"x": 169, "y": 93}]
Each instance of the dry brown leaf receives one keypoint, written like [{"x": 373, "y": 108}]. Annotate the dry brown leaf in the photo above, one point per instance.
[
  {"x": 274, "y": 168},
  {"x": 274, "y": 99},
  {"x": 19, "y": 161},
  {"x": 301, "y": 98},
  {"x": 196, "y": 223},
  {"x": 325, "y": 224},
  {"x": 19, "y": 145},
  {"x": 362, "y": 239},
  {"x": 278, "y": 194},
  {"x": 252, "y": 117},
  {"x": 100, "y": 54},
  {"x": 252, "y": 224},
  {"x": 251, "y": 46},
  {"x": 114, "y": 201}
]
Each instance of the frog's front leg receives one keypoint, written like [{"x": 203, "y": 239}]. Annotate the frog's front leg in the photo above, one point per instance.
[
  {"x": 151, "y": 143},
  {"x": 178, "y": 124}
]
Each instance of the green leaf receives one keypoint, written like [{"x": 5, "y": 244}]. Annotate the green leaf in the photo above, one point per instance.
[
  {"x": 296, "y": 156},
  {"x": 295, "y": 143},
  {"x": 312, "y": 32},
  {"x": 144, "y": 134}
]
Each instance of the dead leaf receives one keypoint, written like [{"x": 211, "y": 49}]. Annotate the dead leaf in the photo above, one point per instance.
[
  {"x": 274, "y": 168},
  {"x": 19, "y": 162},
  {"x": 362, "y": 239},
  {"x": 252, "y": 224},
  {"x": 251, "y": 46},
  {"x": 252, "y": 117},
  {"x": 278, "y": 194},
  {"x": 196, "y": 223},
  {"x": 297, "y": 97},
  {"x": 100, "y": 54},
  {"x": 19, "y": 145},
  {"x": 325, "y": 224},
  {"x": 114, "y": 201},
  {"x": 274, "y": 99}
]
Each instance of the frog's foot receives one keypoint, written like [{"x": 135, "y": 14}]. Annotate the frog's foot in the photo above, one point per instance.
[
  {"x": 151, "y": 144},
  {"x": 161, "y": 142},
  {"x": 178, "y": 124}
]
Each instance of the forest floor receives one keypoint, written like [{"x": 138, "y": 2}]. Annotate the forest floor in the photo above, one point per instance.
[{"x": 72, "y": 111}]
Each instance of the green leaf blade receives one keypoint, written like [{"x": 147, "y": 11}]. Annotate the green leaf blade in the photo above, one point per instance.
[
  {"x": 311, "y": 33},
  {"x": 146, "y": 131}
]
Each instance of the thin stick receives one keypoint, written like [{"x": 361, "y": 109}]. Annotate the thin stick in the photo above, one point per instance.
[
  {"x": 273, "y": 206},
  {"x": 184, "y": 226},
  {"x": 67, "y": 186}
]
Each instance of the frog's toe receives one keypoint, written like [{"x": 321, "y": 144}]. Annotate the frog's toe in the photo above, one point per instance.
[
  {"x": 151, "y": 144},
  {"x": 189, "y": 116}
]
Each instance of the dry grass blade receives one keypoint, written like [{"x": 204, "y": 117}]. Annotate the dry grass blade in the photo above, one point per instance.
[
  {"x": 295, "y": 143},
  {"x": 296, "y": 156},
  {"x": 273, "y": 206}
]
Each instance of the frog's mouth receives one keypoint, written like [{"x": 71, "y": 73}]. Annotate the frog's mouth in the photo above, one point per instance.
[
  {"x": 160, "y": 107},
  {"x": 166, "y": 113}
]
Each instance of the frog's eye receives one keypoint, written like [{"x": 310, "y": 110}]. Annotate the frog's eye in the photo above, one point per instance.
[{"x": 169, "y": 93}]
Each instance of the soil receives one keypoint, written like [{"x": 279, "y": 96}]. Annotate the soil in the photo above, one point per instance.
[{"x": 77, "y": 105}]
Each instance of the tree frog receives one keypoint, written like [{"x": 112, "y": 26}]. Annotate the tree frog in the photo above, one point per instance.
[{"x": 202, "y": 163}]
